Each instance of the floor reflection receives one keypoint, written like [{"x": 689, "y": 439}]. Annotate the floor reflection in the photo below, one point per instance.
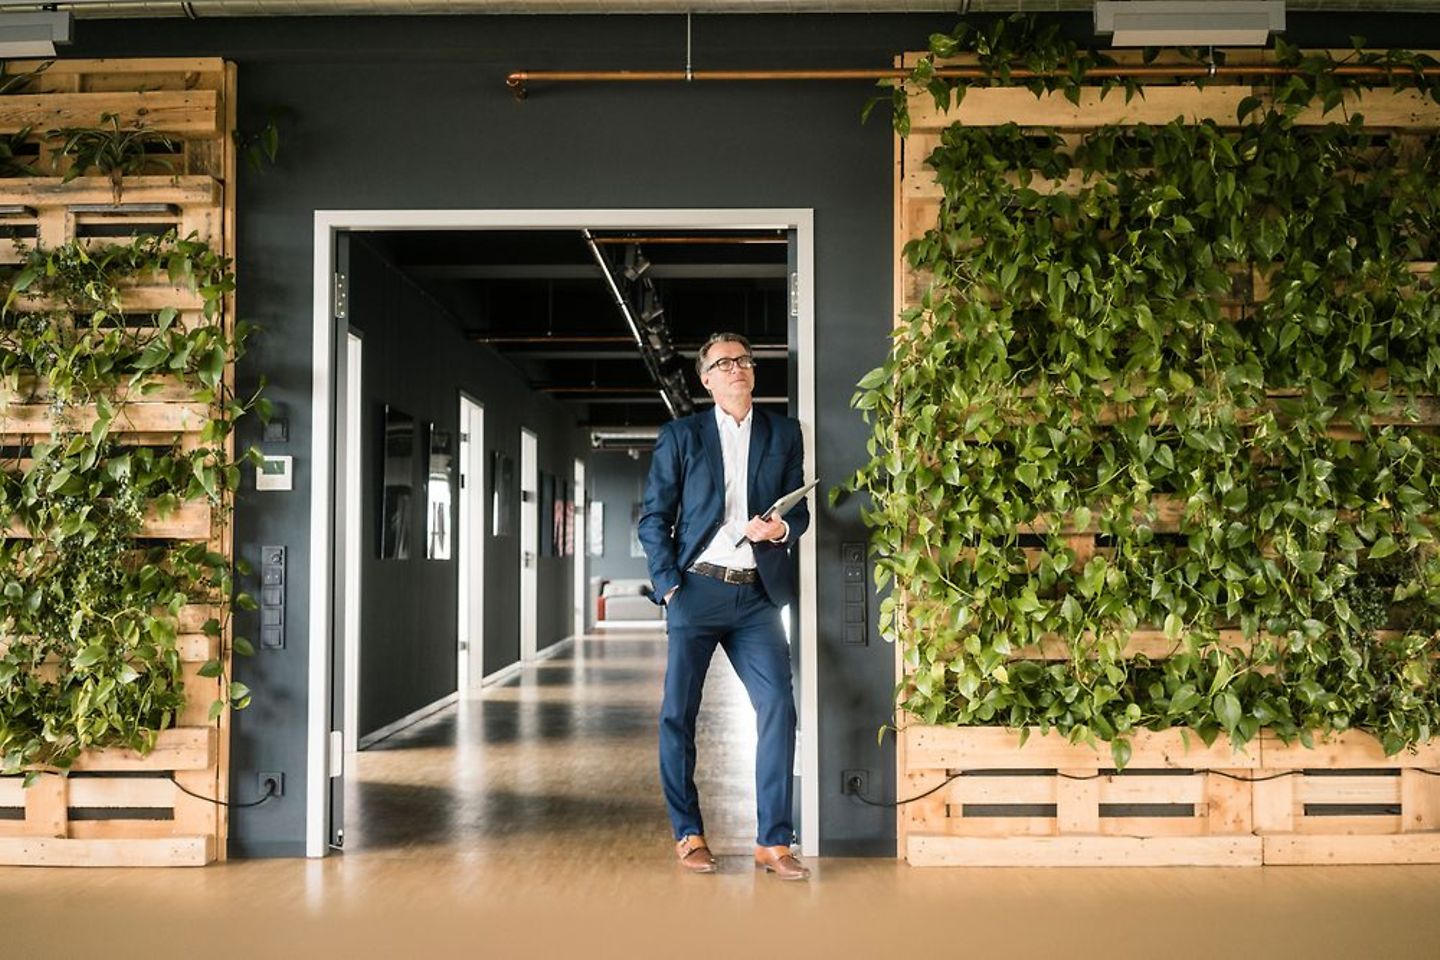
[{"x": 563, "y": 754}]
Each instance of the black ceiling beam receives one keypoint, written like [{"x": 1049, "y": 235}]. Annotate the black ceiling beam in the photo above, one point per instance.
[{"x": 577, "y": 271}]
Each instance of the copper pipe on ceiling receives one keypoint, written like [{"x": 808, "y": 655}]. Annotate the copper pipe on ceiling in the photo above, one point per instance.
[{"x": 517, "y": 80}]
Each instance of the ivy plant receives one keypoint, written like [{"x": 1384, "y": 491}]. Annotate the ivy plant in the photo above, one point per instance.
[
  {"x": 113, "y": 151},
  {"x": 89, "y": 608},
  {"x": 1188, "y": 398}
]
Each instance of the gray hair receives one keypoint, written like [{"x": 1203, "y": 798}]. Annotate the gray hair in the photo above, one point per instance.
[{"x": 722, "y": 337}]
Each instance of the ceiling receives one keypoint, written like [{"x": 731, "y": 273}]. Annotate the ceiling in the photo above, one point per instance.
[
  {"x": 541, "y": 300},
  {"x": 250, "y": 8}
]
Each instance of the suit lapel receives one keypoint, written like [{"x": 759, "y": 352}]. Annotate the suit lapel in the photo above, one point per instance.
[
  {"x": 759, "y": 439},
  {"x": 710, "y": 439}
]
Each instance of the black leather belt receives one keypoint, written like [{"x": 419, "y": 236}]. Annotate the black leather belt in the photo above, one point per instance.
[{"x": 728, "y": 574}]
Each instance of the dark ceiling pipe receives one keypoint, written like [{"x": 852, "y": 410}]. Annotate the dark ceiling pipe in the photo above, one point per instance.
[{"x": 518, "y": 80}]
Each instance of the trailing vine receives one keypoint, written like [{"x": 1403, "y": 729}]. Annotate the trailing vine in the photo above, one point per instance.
[
  {"x": 1209, "y": 346},
  {"x": 89, "y": 608}
]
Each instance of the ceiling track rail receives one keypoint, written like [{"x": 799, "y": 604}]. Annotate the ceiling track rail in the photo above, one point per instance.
[
  {"x": 671, "y": 386},
  {"x": 520, "y": 80}
]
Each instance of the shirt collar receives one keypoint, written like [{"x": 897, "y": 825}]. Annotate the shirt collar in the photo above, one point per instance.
[{"x": 725, "y": 421}]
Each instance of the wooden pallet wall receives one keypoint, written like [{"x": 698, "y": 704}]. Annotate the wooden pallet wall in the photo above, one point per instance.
[
  {"x": 118, "y": 808},
  {"x": 1206, "y": 818}
]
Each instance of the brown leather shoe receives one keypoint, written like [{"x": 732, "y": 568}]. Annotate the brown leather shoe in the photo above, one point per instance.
[
  {"x": 781, "y": 862},
  {"x": 694, "y": 855}
]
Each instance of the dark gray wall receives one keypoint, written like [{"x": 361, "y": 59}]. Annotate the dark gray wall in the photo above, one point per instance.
[
  {"x": 619, "y": 482},
  {"x": 416, "y": 360},
  {"x": 391, "y": 112}
]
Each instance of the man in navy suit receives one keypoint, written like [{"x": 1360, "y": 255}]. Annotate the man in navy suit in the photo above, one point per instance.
[{"x": 723, "y": 574}]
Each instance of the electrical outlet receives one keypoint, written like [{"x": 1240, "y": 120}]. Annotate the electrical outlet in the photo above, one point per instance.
[
  {"x": 855, "y": 781},
  {"x": 263, "y": 783}
]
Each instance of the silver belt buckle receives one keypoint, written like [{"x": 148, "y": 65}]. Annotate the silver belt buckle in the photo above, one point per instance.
[{"x": 739, "y": 575}]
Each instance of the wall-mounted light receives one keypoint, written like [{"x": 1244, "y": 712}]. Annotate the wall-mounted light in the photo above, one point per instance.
[
  {"x": 1189, "y": 23},
  {"x": 33, "y": 34}
]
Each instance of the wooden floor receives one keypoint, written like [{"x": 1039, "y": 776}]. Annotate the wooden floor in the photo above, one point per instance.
[{"x": 529, "y": 823}]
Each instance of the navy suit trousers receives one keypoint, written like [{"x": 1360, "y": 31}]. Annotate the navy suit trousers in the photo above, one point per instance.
[{"x": 703, "y": 614}]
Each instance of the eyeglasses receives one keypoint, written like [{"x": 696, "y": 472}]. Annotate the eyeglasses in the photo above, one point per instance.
[{"x": 726, "y": 364}]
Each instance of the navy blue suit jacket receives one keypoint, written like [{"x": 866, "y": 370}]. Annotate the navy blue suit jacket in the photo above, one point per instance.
[{"x": 685, "y": 497}]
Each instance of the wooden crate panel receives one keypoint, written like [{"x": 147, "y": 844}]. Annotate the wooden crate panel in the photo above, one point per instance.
[
  {"x": 181, "y": 191},
  {"x": 137, "y": 299},
  {"x": 1351, "y": 749},
  {"x": 143, "y": 818},
  {"x": 972, "y": 748},
  {"x": 1399, "y": 848},
  {"x": 142, "y": 852},
  {"x": 935, "y": 851},
  {"x": 183, "y": 748},
  {"x": 995, "y": 106},
  {"x": 141, "y": 417},
  {"x": 184, "y": 113},
  {"x": 189, "y": 521},
  {"x": 137, "y": 73}
]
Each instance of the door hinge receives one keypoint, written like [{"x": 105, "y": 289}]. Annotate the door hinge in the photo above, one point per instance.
[
  {"x": 337, "y": 753},
  {"x": 340, "y": 297}
]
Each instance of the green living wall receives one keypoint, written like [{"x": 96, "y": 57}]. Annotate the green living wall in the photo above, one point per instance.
[{"x": 1212, "y": 347}]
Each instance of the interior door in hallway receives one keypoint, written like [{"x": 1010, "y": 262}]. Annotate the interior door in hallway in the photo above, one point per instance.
[
  {"x": 529, "y": 540},
  {"x": 471, "y": 566}
]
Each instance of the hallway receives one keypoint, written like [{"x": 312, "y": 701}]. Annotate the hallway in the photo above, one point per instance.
[
  {"x": 560, "y": 758},
  {"x": 528, "y": 823}
]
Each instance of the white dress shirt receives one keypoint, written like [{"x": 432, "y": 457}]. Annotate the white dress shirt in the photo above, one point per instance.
[{"x": 735, "y": 451}]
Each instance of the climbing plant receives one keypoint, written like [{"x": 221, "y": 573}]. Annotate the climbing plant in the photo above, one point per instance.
[
  {"x": 89, "y": 608},
  {"x": 1219, "y": 349}
]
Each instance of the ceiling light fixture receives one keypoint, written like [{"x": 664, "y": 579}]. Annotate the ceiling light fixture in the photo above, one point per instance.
[
  {"x": 33, "y": 34},
  {"x": 1189, "y": 23}
]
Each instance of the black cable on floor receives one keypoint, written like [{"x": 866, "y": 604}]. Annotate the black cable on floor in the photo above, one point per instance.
[
  {"x": 269, "y": 793},
  {"x": 1095, "y": 776}
]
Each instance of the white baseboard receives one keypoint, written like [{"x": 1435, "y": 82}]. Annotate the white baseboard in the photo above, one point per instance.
[
  {"x": 513, "y": 670},
  {"x": 629, "y": 624},
  {"x": 390, "y": 729},
  {"x": 555, "y": 648},
  {"x": 502, "y": 675}
]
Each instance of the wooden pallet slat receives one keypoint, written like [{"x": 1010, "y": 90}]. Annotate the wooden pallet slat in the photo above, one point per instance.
[
  {"x": 191, "y": 112},
  {"x": 144, "y": 852}
]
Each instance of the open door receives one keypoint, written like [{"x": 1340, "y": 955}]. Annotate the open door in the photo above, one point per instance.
[
  {"x": 529, "y": 541},
  {"x": 577, "y": 542},
  {"x": 471, "y": 566}
]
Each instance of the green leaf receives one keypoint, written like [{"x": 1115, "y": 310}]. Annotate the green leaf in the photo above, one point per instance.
[
  {"x": 1227, "y": 710},
  {"x": 1383, "y": 548}
]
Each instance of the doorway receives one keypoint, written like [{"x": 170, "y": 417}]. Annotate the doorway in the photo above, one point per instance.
[
  {"x": 324, "y": 776},
  {"x": 470, "y": 668},
  {"x": 529, "y": 542}
]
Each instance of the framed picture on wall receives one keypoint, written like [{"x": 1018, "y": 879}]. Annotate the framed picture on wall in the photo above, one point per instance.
[
  {"x": 557, "y": 517},
  {"x": 439, "y": 478},
  {"x": 397, "y": 482},
  {"x": 636, "y": 550},
  {"x": 547, "y": 508},
  {"x": 503, "y": 494},
  {"x": 569, "y": 521},
  {"x": 595, "y": 528}
]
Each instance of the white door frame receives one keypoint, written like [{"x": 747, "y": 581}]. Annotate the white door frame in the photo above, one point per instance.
[
  {"x": 577, "y": 540},
  {"x": 354, "y": 539},
  {"x": 529, "y": 544},
  {"x": 470, "y": 544},
  {"x": 322, "y": 410}
]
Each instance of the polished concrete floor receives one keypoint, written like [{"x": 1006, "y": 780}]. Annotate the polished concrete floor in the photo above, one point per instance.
[{"x": 528, "y": 823}]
